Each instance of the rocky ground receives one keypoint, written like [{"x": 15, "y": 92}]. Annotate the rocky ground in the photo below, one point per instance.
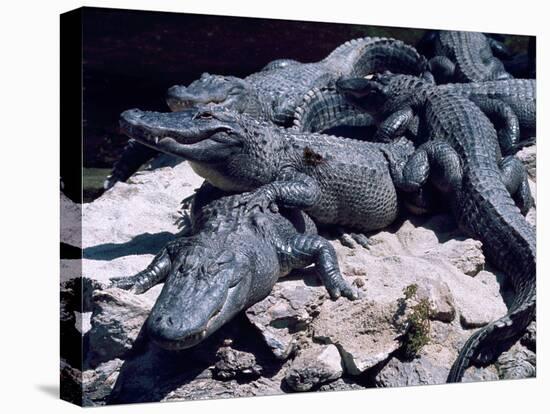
[{"x": 425, "y": 287}]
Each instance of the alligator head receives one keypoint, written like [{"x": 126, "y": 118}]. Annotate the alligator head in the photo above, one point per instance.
[
  {"x": 384, "y": 91},
  {"x": 219, "y": 143},
  {"x": 224, "y": 91},
  {"x": 192, "y": 134},
  {"x": 208, "y": 285}
]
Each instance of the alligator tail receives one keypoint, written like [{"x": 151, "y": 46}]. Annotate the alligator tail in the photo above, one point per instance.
[
  {"x": 361, "y": 57},
  {"x": 506, "y": 327},
  {"x": 510, "y": 244}
]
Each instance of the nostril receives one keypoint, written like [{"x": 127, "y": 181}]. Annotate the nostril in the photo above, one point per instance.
[{"x": 169, "y": 321}]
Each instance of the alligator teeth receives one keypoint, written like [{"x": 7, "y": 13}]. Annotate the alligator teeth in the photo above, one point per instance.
[{"x": 156, "y": 140}]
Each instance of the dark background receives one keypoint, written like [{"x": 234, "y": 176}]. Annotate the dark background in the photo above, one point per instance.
[{"x": 130, "y": 58}]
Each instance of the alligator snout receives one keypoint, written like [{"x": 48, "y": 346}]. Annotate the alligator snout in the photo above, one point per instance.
[
  {"x": 177, "y": 98},
  {"x": 131, "y": 115},
  {"x": 171, "y": 333}
]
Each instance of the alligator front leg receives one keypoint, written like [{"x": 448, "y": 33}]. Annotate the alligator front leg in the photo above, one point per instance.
[
  {"x": 416, "y": 197},
  {"x": 303, "y": 249},
  {"x": 292, "y": 189},
  {"x": 435, "y": 160},
  {"x": 395, "y": 125},
  {"x": 154, "y": 274},
  {"x": 515, "y": 179},
  {"x": 132, "y": 158},
  {"x": 505, "y": 120}
]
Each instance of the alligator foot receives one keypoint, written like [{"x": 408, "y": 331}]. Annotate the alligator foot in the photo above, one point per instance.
[
  {"x": 351, "y": 240},
  {"x": 436, "y": 161},
  {"x": 184, "y": 219},
  {"x": 141, "y": 282},
  {"x": 515, "y": 178},
  {"x": 504, "y": 119},
  {"x": 315, "y": 249}
]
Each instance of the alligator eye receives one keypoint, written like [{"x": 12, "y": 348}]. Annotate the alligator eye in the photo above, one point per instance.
[
  {"x": 235, "y": 91},
  {"x": 203, "y": 115}
]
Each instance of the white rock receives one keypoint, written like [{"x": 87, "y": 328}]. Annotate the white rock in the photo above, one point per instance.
[
  {"x": 364, "y": 331},
  {"x": 314, "y": 366},
  {"x": 71, "y": 221}
]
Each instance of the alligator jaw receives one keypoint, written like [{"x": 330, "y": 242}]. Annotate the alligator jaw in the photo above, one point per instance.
[
  {"x": 221, "y": 315},
  {"x": 183, "y": 343}
]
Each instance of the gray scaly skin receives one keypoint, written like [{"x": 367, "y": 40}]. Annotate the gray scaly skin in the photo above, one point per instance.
[
  {"x": 325, "y": 108},
  {"x": 509, "y": 104},
  {"x": 335, "y": 180},
  {"x": 275, "y": 92},
  {"x": 461, "y": 159},
  {"x": 466, "y": 57},
  {"x": 239, "y": 246}
]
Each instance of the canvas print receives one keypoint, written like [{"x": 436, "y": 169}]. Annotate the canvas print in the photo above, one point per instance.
[{"x": 256, "y": 206}]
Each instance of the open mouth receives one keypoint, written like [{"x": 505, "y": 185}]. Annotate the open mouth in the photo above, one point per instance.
[
  {"x": 140, "y": 134},
  {"x": 175, "y": 104}
]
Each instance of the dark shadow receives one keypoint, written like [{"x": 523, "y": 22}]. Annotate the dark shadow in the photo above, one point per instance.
[
  {"x": 51, "y": 390},
  {"x": 149, "y": 373},
  {"x": 309, "y": 276},
  {"x": 145, "y": 243},
  {"x": 442, "y": 224},
  {"x": 66, "y": 251},
  {"x": 506, "y": 289}
]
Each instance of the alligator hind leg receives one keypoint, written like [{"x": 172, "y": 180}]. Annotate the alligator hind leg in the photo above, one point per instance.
[
  {"x": 515, "y": 179},
  {"x": 154, "y": 274},
  {"x": 132, "y": 158},
  {"x": 505, "y": 120},
  {"x": 302, "y": 250}
]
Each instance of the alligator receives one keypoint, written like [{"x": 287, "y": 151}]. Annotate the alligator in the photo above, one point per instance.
[
  {"x": 326, "y": 109},
  {"x": 509, "y": 104},
  {"x": 237, "y": 248},
  {"x": 274, "y": 93},
  {"x": 337, "y": 181},
  {"x": 460, "y": 157},
  {"x": 464, "y": 57}
]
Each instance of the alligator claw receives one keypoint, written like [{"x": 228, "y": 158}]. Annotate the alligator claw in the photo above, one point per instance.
[
  {"x": 126, "y": 283},
  {"x": 260, "y": 198},
  {"x": 341, "y": 288},
  {"x": 351, "y": 240}
]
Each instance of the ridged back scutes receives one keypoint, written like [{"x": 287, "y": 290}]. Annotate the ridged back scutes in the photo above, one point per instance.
[
  {"x": 348, "y": 47},
  {"x": 324, "y": 108},
  {"x": 486, "y": 211},
  {"x": 473, "y": 55},
  {"x": 521, "y": 88},
  {"x": 363, "y": 56}
]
